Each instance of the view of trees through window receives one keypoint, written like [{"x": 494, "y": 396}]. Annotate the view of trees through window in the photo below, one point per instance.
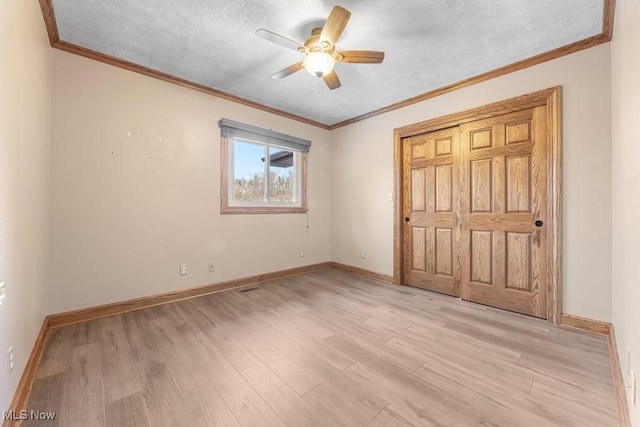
[{"x": 249, "y": 173}]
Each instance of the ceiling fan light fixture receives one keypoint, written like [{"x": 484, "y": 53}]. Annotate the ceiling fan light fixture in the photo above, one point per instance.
[
  {"x": 319, "y": 64},
  {"x": 320, "y": 49}
]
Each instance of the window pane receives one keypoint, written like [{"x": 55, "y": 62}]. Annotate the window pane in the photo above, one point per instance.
[
  {"x": 248, "y": 171},
  {"x": 260, "y": 177},
  {"x": 282, "y": 176}
]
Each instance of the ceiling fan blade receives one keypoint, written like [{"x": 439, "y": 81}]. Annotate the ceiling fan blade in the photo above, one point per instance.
[
  {"x": 333, "y": 28},
  {"x": 332, "y": 80},
  {"x": 278, "y": 39},
  {"x": 361, "y": 56},
  {"x": 288, "y": 71}
]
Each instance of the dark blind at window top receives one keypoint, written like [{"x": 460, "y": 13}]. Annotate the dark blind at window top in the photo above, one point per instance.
[{"x": 230, "y": 129}]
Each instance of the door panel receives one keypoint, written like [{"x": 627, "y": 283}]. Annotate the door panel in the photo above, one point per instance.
[
  {"x": 518, "y": 260},
  {"x": 444, "y": 251},
  {"x": 501, "y": 250},
  {"x": 481, "y": 185},
  {"x": 418, "y": 183},
  {"x": 444, "y": 188},
  {"x": 419, "y": 248},
  {"x": 430, "y": 198},
  {"x": 481, "y": 257}
]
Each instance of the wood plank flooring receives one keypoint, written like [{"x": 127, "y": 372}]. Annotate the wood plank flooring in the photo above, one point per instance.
[{"x": 323, "y": 349}]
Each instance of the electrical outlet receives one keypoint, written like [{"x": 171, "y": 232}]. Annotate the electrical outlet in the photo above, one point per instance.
[
  {"x": 362, "y": 254},
  {"x": 183, "y": 269},
  {"x": 3, "y": 292},
  {"x": 10, "y": 361},
  {"x": 301, "y": 253},
  {"x": 211, "y": 267}
]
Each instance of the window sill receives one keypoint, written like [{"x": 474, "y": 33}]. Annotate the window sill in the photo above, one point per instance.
[{"x": 261, "y": 210}]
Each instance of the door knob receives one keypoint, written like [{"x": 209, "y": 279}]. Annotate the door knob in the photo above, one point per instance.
[
  {"x": 539, "y": 223},
  {"x": 406, "y": 219}
]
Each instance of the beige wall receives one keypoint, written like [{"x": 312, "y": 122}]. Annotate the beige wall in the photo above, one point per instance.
[
  {"x": 626, "y": 195},
  {"x": 126, "y": 211},
  {"x": 25, "y": 94},
  {"x": 362, "y": 174}
]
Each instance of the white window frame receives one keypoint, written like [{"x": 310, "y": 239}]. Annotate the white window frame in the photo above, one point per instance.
[{"x": 234, "y": 131}]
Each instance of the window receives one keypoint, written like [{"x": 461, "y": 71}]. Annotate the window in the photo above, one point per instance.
[{"x": 262, "y": 171}]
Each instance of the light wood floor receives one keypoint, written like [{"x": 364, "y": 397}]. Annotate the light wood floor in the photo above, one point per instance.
[{"x": 324, "y": 349}]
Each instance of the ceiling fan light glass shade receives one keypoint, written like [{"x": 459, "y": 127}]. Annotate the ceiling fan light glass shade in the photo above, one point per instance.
[{"x": 319, "y": 64}]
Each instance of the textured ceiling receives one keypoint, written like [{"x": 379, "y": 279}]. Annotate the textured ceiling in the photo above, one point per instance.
[{"x": 428, "y": 44}]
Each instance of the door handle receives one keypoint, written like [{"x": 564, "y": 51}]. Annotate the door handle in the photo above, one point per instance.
[
  {"x": 406, "y": 219},
  {"x": 539, "y": 223}
]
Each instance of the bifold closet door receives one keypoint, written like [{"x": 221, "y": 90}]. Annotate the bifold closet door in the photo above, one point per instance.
[
  {"x": 430, "y": 198},
  {"x": 503, "y": 209}
]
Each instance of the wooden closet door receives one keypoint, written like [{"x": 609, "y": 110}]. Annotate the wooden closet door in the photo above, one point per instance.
[
  {"x": 429, "y": 210},
  {"x": 502, "y": 211}
]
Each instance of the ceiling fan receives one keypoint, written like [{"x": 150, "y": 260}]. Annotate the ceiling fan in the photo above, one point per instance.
[{"x": 320, "y": 49}]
